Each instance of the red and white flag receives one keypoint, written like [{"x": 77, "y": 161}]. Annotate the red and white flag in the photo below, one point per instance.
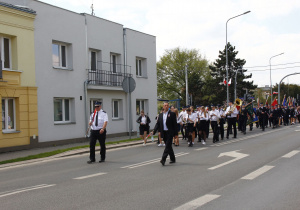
[
  {"x": 229, "y": 83},
  {"x": 224, "y": 82}
]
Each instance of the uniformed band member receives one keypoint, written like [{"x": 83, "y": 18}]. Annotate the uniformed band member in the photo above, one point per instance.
[
  {"x": 98, "y": 132},
  {"x": 222, "y": 121},
  {"x": 243, "y": 118},
  {"x": 214, "y": 118},
  {"x": 231, "y": 119},
  {"x": 190, "y": 124},
  {"x": 168, "y": 126}
]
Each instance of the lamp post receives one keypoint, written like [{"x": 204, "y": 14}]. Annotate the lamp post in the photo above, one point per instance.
[
  {"x": 242, "y": 70},
  {"x": 271, "y": 77},
  {"x": 227, "y": 55}
]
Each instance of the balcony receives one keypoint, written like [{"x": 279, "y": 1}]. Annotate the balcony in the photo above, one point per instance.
[{"x": 108, "y": 74}]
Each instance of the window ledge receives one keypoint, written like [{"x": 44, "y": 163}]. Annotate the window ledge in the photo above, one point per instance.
[
  {"x": 12, "y": 70},
  {"x": 117, "y": 119},
  {"x": 141, "y": 77},
  {"x": 7, "y": 132},
  {"x": 61, "y": 68},
  {"x": 64, "y": 123}
]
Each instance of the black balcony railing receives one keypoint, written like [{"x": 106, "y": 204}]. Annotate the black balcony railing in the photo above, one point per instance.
[{"x": 108, "y": 74}]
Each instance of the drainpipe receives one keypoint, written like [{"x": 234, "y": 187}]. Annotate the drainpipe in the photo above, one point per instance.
[{"x": 86, "y": 82}]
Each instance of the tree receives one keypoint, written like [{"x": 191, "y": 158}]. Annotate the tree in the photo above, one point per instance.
[
  {"x": 287, "y": 89},
  {"x": 171, "y": 75},
  {"x": 218, "y": 72}
]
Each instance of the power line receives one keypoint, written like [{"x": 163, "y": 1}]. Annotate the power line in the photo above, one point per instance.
[
  {"x": 269, "y": 65},
  {"x": 274, "y": 69}
]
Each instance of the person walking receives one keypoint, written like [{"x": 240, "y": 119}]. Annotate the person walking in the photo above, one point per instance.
[
  {"x": 167, "y": 123},
  {"x": 98, "y": 123},
  {"x": 231, "y": 113},
  {"x": 144, "y": 122}
]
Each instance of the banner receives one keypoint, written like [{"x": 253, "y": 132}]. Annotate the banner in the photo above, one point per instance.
[{"x": 249, "y": 107}]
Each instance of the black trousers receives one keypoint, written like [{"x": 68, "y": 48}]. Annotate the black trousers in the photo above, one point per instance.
[
  {"x": 243, "y": 121},
  {"x": 95, "y": 135},
  {"x": 231, "y": 123},
  {"x": 222, "y": 121},
  {"x": 214, "y": 126},
  {"x": 168, "y": 138}
]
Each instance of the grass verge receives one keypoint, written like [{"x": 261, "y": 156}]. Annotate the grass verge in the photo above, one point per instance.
[{"x": 55, "y": 152}]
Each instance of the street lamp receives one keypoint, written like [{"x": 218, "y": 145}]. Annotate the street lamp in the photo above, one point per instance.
[
  {"x": 271, "y": 78},
  {"x": 242, "y": 70},
  {"x": 227, "y": 55}
]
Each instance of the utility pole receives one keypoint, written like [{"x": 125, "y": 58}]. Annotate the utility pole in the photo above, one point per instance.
[{"x": 186, "y": 86}]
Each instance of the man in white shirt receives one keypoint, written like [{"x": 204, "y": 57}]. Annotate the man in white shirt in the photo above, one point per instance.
[
  {"x": 182, "y": 115},
  {"x": 98, "y": 123},
  {"x": 231, "y": 119},
  {"x": 214, "y": 117}
]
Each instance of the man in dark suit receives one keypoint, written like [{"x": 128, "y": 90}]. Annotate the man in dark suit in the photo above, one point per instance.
[{"x": 167, "y": 124}]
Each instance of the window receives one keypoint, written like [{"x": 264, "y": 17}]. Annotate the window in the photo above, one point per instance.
[
  {"x": 5, "y": 52},
  {"x": 113, "y": 62},
  {"x": 138, "y": 67},
  {"x": 140, "y": 105},
  {"x": 115, "y": 109},
  {"x": 93, "y": 60},
  {"x": 62, "y": 108},
  {"x": 59, "y": 55},
  {"x": 8, "y": 114}
]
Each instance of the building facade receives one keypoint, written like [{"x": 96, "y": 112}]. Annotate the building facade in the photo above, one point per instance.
[
  {"x": 18, "y": 91},
  {"x": 79, "y": 59}
]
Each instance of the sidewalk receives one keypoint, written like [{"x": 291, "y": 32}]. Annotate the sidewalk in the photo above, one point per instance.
[{"x": 25, "y": 153}]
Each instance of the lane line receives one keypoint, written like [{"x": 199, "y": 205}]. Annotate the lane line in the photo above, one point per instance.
[
  {"x": 291, "y": 154},
  {"x": 203, "y": 148},
  {"x": 89, "y": 176},
  {"x": 150, "y": 161},
  {"x": 4, "y": 194},
  {"x": 257, "y": 173},
  {"x": 198, "y": 202}
]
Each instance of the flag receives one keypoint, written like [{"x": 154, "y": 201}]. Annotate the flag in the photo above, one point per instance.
[
  {"x": 275, "y": 93},
  {"x": 249, "y": 107},
  {"x": 267, "y": 100},
  {"x": 284, "y": 101},
  {"x": 229, "y": 83},
  {"x": 289, "y": 101},
  {"x": 274, "y": 102},
  {"x": 257, "y": 101},
  {"x": 224, "y": 81}
]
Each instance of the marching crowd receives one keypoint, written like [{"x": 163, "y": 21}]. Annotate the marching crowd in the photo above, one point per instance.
[{"x": 196, "y": 124}]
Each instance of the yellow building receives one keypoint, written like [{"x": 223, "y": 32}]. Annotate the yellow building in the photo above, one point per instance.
[{"x": 18, "y": 91}]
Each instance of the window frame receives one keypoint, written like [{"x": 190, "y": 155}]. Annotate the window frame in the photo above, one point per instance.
[
  {"x": 63, "y": 108},
  {"x": 6, "y": 129},
  {"x": 138, "y": 66},
  {"x": 60, "y": 56},
  {"x": 140, "y": 101},
  {"x": 96, "y": 59},
  {"x": 3, "y": 54},
  {"x": 113, "y": 109},
  {"x": 114, "y": 65}
]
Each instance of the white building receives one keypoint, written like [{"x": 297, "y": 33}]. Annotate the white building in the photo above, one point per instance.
[{"x": 82, "y": 58}]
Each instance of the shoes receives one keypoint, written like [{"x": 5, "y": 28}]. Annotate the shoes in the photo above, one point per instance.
[
  {"x": 144, "y": 144},
  {"x": 164, "y": 145},
  {"x": 227, "y": 137},
  {"x": 160, "y": 145},
  {"x": 90, "y": 161},
  {"x": 162, "y": 162},
  {"x": 221, "y": 138},
  {"x": 172, "y": 161},
  {"x": 101, "y": 161},
  {"x": 234, "y": 137}
]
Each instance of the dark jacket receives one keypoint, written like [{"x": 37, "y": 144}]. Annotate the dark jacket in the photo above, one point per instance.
[
  {"x": 171, "y": 124},
  {"x": 148, "y": 121}
]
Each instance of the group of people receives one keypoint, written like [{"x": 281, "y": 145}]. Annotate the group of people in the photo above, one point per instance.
[{"x": 193, "y": 123}]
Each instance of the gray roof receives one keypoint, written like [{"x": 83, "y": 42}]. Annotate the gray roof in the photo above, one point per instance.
[{"x": 20, "y": 8}]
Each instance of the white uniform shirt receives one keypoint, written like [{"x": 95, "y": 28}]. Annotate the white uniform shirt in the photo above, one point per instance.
[
  {"x": 192, "y": 117},
  {"x": 102, "y": 117},
  {"x": 202, "y": 117},
  {"x": 233, "y": 114},
  {"x": 143, "y": 120},
  {"x": 222, "y": 113},
  {"x": 216, "y": 113}
]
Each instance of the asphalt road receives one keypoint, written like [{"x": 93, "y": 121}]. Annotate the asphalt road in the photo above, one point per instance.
[{"x": 259, "y": 170}]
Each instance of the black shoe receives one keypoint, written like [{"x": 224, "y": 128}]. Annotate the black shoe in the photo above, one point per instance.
[
  {"x": 227, "y": 137},
  {"x": 221, "y": 138},
  {"x": 234, "y": 137},
  {"x": 101, "y": 161},
  {"x": 90, "y": 161},
  {"x": 172, "y": 161},
  {"x": 244, "y": 132},
  {"x": 162, "y": 162},
  {"x": 192, "y": 145}
]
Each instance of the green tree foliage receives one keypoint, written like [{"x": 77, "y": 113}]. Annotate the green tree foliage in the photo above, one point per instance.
[
  {"x": 171, "y": 75},
  {"x": 287, "y": 89},
  {"x": 218, "y": 72}
]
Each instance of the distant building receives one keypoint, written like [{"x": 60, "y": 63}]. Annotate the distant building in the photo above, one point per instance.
[
  {"x": 80, "y": 59},
  {"x": 18, "y": 91}
]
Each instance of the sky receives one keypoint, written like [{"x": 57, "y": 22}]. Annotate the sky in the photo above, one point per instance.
[{"x": 271, "y": 28}]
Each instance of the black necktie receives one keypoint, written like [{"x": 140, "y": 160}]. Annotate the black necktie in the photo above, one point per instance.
[{"x": 96, "y": 119}]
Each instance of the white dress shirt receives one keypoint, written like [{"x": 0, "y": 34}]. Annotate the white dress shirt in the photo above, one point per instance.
[
  {"x": 214, "y": 115},
  {"x": 233, "y": 114},
  {"x": 165, "y": 115},
  {"x": 102, "y": 117}
]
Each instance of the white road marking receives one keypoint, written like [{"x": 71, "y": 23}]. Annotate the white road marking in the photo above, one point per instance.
[
  {"x": 235, "y": 154},
  {"x": 257, "y": 173},
  {"x": 198, "y": 202},
  {"x": 89, "y": 176},
  {"x": 151, "y": 161},
  {"x": 297, "y": 130},
  {"x": 291, "y": 154},
  {"x": 26, "y": 189},
  {"x": 203, "y": 148}
]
